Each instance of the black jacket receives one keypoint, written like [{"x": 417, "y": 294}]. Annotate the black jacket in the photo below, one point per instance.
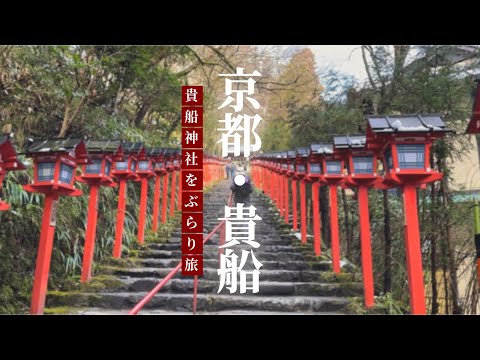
[{"x": 241, "y": 193}]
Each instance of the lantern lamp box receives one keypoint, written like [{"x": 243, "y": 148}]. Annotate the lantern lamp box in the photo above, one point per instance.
[
  {"x": 172, "y": 159},
  {"x": 127, "y": 168},
  {"x": 9, "y": 161},
  {"x": 55, "y": 162},
  {"x": 301, "y": 160},
  {"x": 315, "y": 160},
  {"x": 158, "y": 161},
  {"x": 291, "y": 156},
  {"x": 103, "y": 154},
  {"x": 404, "y": 143},
  {"x": 360, "y": 160}
]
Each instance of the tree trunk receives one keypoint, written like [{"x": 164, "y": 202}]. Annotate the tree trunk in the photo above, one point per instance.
[
  {"x": 66, "y": 118},
  {"x": 140, "y": 115},
  {"x": 387, "y": 276},
  {"x": 348, "y": 235},
  {"x": 324, "y": 212},
  {"x": 456, "y": 307}
]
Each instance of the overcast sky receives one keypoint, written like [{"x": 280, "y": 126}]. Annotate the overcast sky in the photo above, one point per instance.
[{"x": 345, "y": 58}]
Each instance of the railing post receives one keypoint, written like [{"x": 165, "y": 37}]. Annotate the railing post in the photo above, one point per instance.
[
  {"x": 316, "y": 219},
  {"x": 142, "y": 214},
  {"x": 286, "y": 201},
  {"x": 413, "y": 251},
  {"x": 122, "y": 193},
  {"x": 195, "y": 288},
  {"x": 165, "y": 198},
  {"x": 334, "y": 229},
  {"x": 303, "y": 212},
  {"x": 294, "y": 205},
  {"x": 90, "y": 233},
  {"x": 42, "y": 268},
  {"x": 173, "y": 190},
  {"x": 156, "y": 203},
  {"x": 366, "y": 246}
]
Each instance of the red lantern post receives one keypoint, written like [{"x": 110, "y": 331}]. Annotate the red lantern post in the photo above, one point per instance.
[
  {"x": 333, "y": 176},
  {"x": 300, "y": 172},
  {"x": 145, "y": 171},
  {"x": 54, "y": 162},
  {"x": 157, "y": 156},
  {"x": 291, "y": 156},
  {"x": 314, "y": 174},
  {"x": 97, "y": 174},
  {"x": 8, "y": 162},
  {"x": 362, "y": 173},
  {"x": 405, "y": 142},
  {"x": 177, "y": 156},
  {"x": 122, "y": 172}
]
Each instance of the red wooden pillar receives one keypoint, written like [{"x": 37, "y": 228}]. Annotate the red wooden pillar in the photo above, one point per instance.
[
  {"x": 42, "y": 268},
  {"x": 272, "y": 186},
  {"x": 334, "y": 229},
  {"x": 122, "y": 193},
  {"x": 316, "y": 219},
  {"x": 280, "y": 193},
  {"x": 172, "y": 193},
  {"x": 413, "y": 251},
  {"x": 142, "y": 214},
  {"x": 179, "y": 196},
  {"x": 165, "y": 198},
  {"x": 156, "y": 202},
  {"x": 286, "y": 202},
  {"x": 366, "y": 247},
  {"x": 303, "y": 212},
  {"x": 90, "y": 234},
  {"x": 294, "y": 205}
]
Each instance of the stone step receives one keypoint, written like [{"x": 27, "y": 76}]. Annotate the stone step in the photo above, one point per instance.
[
  {"x": 214, "y": 247},
  {"x": 265, "y": 275},
  {"x": 100, "y": 311},
  {"x": 213, "y": 262},
  {"x": 266, "y": 288},
  {"x": 205, "y": 302},
  {"x": 259, "y": 254}
]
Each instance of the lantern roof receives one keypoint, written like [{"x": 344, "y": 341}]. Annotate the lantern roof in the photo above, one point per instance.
[
  {"x": 134, "y": 148},
  {"x": 416, "y": 123},
  {"x": 322, "y": 149},
  {"x": 156, "y": 151},
  {"x": 350, "y": 141},
  {"x": 53, "y": 145},
  {"x": 69, "y": 145},
  {"x": 104, "y": 146},
  {"x": 302, "y": 151},
  {"x": 8, "y": 154},
  {"x": 172, "y": 152}
]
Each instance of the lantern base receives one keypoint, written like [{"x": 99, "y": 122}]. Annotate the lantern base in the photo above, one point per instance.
[
  {"x": 100, "y": 181},
  {"x": 411, "y": 178},
  {"x": 368, "y": 181},
  {"x": 59, "y": 189},
  {"x": 118, "y": 175},
  {"x": 332, "y": 179}
]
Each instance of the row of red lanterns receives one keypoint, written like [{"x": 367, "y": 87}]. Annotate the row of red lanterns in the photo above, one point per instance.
[
  {"x": 102, "y": 163},
  {"x": 395, "y": 152}
]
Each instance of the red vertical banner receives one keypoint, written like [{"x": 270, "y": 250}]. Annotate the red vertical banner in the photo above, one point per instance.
[{"x": 191, "y": 180}]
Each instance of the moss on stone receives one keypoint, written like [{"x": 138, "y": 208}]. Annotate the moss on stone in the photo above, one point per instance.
[{"x": 61, "y": 310}]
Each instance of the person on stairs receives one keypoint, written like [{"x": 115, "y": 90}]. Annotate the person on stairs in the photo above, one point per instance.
[{"x": 241, "y": 188}]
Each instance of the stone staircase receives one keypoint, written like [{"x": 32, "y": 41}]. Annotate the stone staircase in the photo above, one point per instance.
[{"x": 292, "y": 279}]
